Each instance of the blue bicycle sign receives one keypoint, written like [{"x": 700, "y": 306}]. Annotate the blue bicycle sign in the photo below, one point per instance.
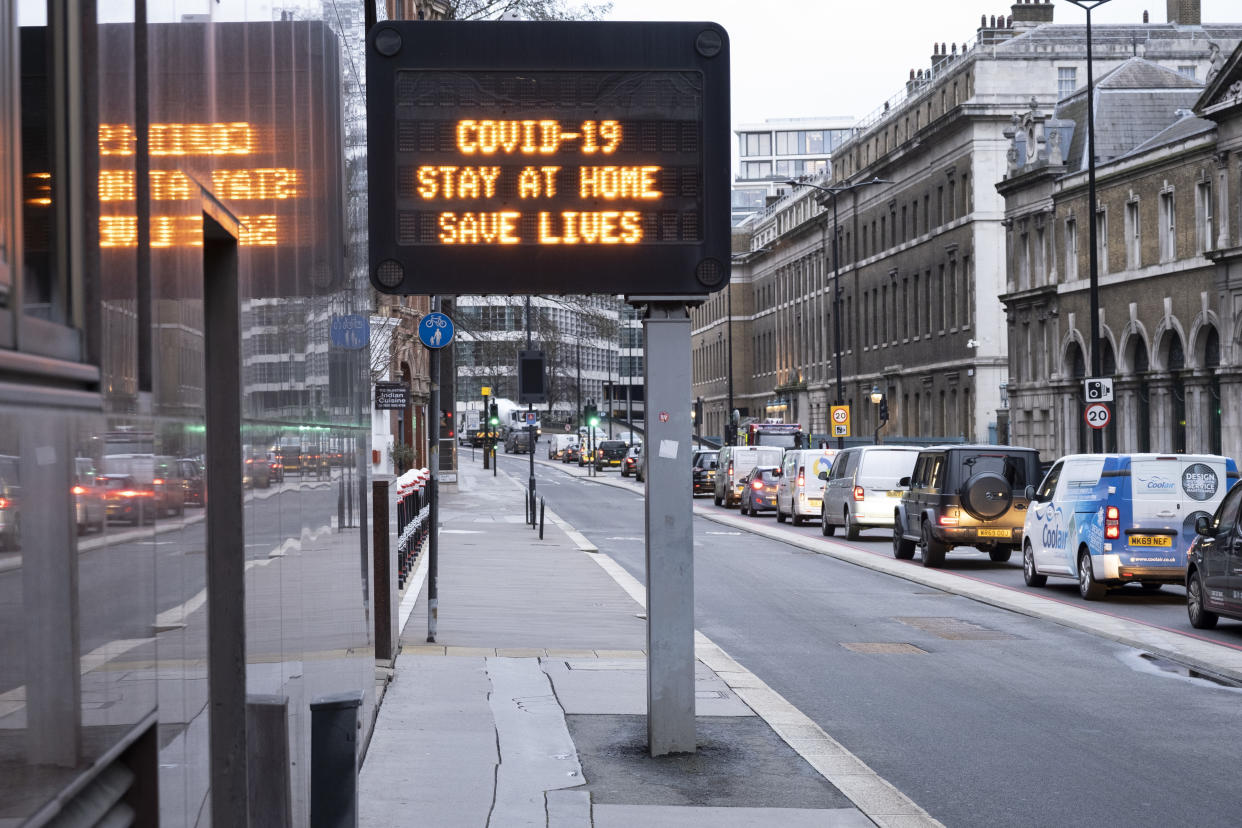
[{"x": 435, "y": 330}]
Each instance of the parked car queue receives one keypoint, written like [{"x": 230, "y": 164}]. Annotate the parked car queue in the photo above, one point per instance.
[{"x": 1102, "y": 521}]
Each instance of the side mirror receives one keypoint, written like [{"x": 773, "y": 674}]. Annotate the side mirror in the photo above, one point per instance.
[
  {"x": 714, "y": 465},
  {"x": 823, "y": 475},
  {"x": 904, "y": 482},
  {"x": 1030, "y": 493},
  {"x": 776, "y": 473},
  {"x": 1203, "y": 526}
]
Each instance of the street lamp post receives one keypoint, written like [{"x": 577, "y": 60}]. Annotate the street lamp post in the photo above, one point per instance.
[
  {"x": 1097, "y": 435},
  {"x": 836, "y": 275}
]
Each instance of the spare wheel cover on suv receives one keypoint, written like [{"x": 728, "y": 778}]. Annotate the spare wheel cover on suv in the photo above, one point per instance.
[{"x": 987, "y": 496}]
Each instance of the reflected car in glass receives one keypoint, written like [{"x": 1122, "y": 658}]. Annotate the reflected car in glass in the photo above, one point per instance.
[
  {"x": 10, "y": 497},
  {"x": 128, "y": 500},
  {"x": 89, "y": 506}
]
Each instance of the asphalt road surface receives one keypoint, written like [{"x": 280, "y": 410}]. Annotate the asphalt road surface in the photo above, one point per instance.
[{"x": 982, "y": 716}]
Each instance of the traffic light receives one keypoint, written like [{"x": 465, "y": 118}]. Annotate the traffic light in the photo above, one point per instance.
[
  {"x": 884, "y": 409},
  {"x": 493, "y": 415},
  {"x": 591, "y": 415},
  {"x": 697, "y": 413}
]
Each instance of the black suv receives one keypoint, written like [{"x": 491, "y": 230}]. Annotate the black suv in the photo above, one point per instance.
[
  {"x": 964, "y": 496},
  {"x": 609, "y": 453},
  {"x": 1212, "y": 565}
]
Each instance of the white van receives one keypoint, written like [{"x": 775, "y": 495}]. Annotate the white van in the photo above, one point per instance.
[
  {"x": 800, "y": 489},
  {"x": 1111, "y": 519},
  {"x": 557, "y": 444},
  {"x": 863, "y": 487},
  {"x": 734, "y": 462}
]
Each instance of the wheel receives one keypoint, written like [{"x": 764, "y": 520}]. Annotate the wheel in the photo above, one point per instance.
[
  {"x": 851, "y": 528},
  {"x": 1000, "y": 554},
  {"x": 1151, "y": 586},
  {"x": 1032, "y": 578},
  {"x": 716, "y": 499},
  {"x": 1088, "y": 587},
  {"x": 780, "y": 516},
  {"x": 796, "y": 519},
  {"x": 903, "y": 549},
  {"x": 933, "y": 550},
  {"x": 741, "y": 507},
  {"x": 1200, "y": 618},
  {"x": 826, "y": 528}
]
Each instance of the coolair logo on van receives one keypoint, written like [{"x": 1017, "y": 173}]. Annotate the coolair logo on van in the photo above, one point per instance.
[
  {"x": 1054, "y": 535},
  {"x": 1157, "y": 483},
  {"x": 1200, "y": 482}
]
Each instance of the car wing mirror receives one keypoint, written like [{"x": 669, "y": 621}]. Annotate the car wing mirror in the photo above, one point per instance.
[
  {"x": 904, "y": 482},
  {"x": 823, "y": 475},
  {"x": 1203, "y": 526},
  {"x": 714, "y": 465},
  {"x": 1029, "y": 492}
]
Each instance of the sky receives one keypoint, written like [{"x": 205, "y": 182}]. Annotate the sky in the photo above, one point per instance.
[{"x": 806, "y": 58}]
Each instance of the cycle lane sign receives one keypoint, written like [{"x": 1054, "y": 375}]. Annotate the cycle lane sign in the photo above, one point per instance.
[{"x": 435, "y": 330}]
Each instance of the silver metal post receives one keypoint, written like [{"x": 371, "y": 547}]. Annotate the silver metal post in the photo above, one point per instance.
[
  {"x": 433, "y": 490},
  {"x": 669, "y": 531}
]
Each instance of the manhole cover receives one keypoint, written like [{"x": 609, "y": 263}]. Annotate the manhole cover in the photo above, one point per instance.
[
  {"x": 882, "y": 648},
  {"x": 954, "y": 629}
]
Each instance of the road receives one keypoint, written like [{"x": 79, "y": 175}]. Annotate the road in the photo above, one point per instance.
[{"x": 981, "y": 715}]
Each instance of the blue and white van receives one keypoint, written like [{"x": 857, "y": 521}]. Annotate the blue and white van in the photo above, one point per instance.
[{"x": 1111, "y": 519}]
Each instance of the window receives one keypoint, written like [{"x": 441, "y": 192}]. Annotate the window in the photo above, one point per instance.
[
  {"x": 1134, "y": 254},
  {"x": 1188, "y": 70},
  {"x": 916, "y": 318},
  {"x": 814, "y": 142},
  {"x": 1071, "y": 250},
  {"x": 954, "y": 293},
  {"x": 1067, "y": 81},
  {"x": 1101, "y": 239},
  {"x": 1203, "y": 218},
  {"x": 952, "y": 199},
  {"x": 757, "y": 143},
  {"x": 926, "y": 214},
  {"x": 787, "y": 143},
  {"x": 940, "y": 317},
  {"x": 757, "y": 169},
  {"x": 914, "y": 217},
  {"x": 1168, "y": 231},
  {"x": 1039, "y": 259}
]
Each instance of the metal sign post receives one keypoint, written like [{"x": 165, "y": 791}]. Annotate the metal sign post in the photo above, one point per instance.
[
  {"x": 435, "y": 331},
  {"x": 669, "y": 531}
]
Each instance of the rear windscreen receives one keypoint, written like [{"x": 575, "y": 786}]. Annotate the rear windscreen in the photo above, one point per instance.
[
  {"x": 1013, "y": 469},
  {"x": 887, "y": 466}
]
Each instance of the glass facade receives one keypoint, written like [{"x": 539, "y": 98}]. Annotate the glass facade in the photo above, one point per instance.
[{"x": 158, "y": 162}]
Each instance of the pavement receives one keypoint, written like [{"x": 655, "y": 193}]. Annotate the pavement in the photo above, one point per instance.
[{"x": 530, "y": 706}]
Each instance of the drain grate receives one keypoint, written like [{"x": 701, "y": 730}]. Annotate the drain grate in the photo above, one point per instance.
[
  {"x": 882, "y": 648},
  {"x": 954, "y": 629}
]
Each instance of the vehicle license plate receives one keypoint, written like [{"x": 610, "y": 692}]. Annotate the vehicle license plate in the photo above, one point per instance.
[
  {"x": 993, "y": 533},
  {"x": 815, "y": 502},
  {"x": 1150, "y": 540},
  {"x": 894, "y": 493}
]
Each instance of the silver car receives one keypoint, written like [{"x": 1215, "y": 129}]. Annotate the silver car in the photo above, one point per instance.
[{"x": 862, "y": 487}]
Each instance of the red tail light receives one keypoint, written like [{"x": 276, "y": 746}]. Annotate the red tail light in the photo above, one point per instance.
[
  {"x": 1112, "y": 522},
  {"x": 757, "y": 485},
  {"x": 802, "y": 475},
  {"x": 78, "y": 490},
  {"x": 946, "y": 520},
  {"x": 4, "y": 503},
  {"x": 730, "y": 470},
  {"x": 158, "y": 481},
  {"x": 859, "y": 494}
]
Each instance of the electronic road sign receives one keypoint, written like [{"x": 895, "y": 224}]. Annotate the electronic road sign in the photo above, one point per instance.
[{"x": 513, "y": 157}]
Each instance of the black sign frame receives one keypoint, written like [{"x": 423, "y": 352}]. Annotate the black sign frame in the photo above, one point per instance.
[
  {"x": 391, "y": 396},
  {"x": 484, "y": 49}
]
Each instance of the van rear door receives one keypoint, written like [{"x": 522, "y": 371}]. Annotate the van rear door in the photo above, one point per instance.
[{"x": 1167, "y": 495}]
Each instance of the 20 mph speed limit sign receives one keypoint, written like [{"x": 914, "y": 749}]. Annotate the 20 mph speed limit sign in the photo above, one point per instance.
[
  {"x": 840, "y": 421},
  {"x": 1098, "y": 415}
]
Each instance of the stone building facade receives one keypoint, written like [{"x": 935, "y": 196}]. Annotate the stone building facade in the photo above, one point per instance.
[{"x": 922, "y": 253}]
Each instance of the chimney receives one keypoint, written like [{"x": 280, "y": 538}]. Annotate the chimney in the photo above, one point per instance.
[
  {"x": 1031, "y": 13},
  {"x": 1184, "y": 12}
]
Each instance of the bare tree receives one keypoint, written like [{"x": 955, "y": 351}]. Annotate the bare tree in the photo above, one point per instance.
[{"x": 527, "y": 9}]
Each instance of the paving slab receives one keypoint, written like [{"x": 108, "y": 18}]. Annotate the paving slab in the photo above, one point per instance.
[{"x": 619, "y": 686}]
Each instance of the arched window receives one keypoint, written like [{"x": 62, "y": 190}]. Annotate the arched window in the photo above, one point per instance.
[
  {"x": 1139, "y": 366},
  {"x": 1174, "y": 358},
  {"x": 1076, "y": 365},
  {"x": 1211, "y": 362}
]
